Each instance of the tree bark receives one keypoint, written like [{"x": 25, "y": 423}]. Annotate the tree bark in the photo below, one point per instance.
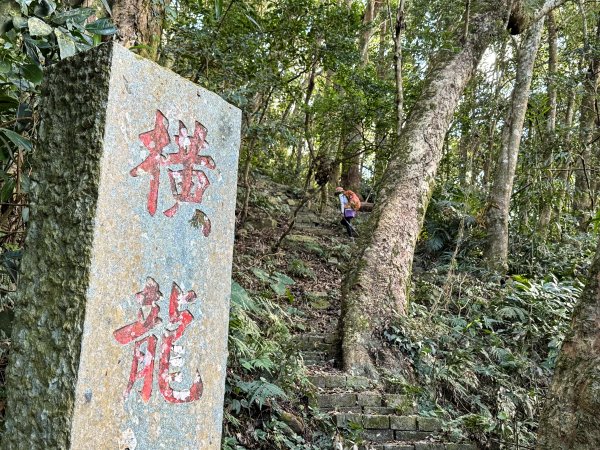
[
  {"x": 139, "y": 22},
  {"x": 376, "y": 287},
  {"x": 546, "y": 205},
  {"x": 352, "y": 175},
  {"x": 399, "y": 26},
  {"x": 570, "y": 416},
  {"x": 498, "y": 209},
  {"x": 583, "y": 201},
  {"x": 381, "y": 129}
]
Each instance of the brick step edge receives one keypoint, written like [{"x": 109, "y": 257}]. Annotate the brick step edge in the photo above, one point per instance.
[
  {"x": 425, "y": 445},
  {"x": 316, "y": 338},
  {"x": 362, "y": 399},
  {"x": 341, "y": 381},
  {"x": 398, "y": 423}
]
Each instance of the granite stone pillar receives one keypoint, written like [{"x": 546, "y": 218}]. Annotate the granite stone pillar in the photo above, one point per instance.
[{"x": 120, "y": 335}]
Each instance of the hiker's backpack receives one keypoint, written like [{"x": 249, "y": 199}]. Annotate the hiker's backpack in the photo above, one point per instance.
[{"x": 353, "y": 200}]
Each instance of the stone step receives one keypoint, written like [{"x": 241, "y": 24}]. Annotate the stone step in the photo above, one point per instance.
[
  {"x": 368, "y": 401},
  {"x": 315, "y": 342},
  {"x": 341, "y": 381},
  {"x": 316, "y": 346},
  {"x": 425, "y": 445},
  {"x": 405, "y": 427},
  {"x": 316, "y": 356},
  {"x": 307, "y": 219}
]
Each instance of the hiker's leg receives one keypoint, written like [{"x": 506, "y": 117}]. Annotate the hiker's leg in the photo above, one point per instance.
[{"x": 348, "y": 225}]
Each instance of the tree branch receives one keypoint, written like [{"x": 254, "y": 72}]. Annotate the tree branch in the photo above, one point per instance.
[{"x": 548, "y": 6}]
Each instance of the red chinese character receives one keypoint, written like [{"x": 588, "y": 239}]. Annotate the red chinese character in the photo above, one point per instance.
[
  {"x": 155, "y": 141},
  {"x": 129, "y": 333},
  {"x": 170, "y": 336},
  {"x": 188, "y": 182},
  {"x": 142, "y": 366}
]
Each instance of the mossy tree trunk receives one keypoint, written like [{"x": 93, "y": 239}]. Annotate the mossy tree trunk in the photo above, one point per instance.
[
  {"x": 570, "y": 416},
  {"x": 375, "y": 290},
  {"x": 376, "y": 287},
  {"x": 501, "y": 191}
]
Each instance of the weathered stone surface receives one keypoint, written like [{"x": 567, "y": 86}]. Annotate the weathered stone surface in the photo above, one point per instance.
[
  {"x": 43, "y": 363},
  {"x": 376, "y": 422},
  {"x": 358, "y": 382},
  {"x": 429, "y": 424},
  {"x": 429, "y": 446},
  {"x": 459, "y": 446},
  {"x": 378, "y": 435},
  {"x": 301, "y": 238},
  {"x": 412, "y": 435},
  {"x": 328, "y": 381},
  {"x": 405, "y": 423},
  {"x": 398, "y": 447},
  {"x": 265, "y": 223},
  {"x": 379, "y": 410},
  {"x": 344, "y": 409},
  {"x": 330, "y": 338},
  {"x": 369, "y": 399},
  {"x": 125, "y": 257},
  {"x": 339, "y": 400}
]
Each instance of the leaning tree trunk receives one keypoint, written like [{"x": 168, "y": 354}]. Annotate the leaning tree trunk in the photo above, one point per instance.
[
  {"x": 570, "y": 416},
  {"x": 376, "y": 287},
  {"x": 500, "y": 194},
  {"x": 375, "y": 290}
]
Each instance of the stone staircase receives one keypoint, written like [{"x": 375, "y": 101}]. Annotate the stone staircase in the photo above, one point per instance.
[{"x": 362, "y": 410}]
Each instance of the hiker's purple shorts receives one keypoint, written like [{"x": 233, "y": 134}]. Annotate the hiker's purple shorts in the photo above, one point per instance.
[{"x": 349, "y": 213}]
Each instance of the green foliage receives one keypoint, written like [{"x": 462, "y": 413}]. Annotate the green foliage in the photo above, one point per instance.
[
  {"x": 315, "y": 248},
  {"x": 33, "y": 34},
  {"x": 451, "y": 222},
  {"x": 298, "y": 268},
  {"x": 278, "y": 281},
  {"x": 264, "y": 378},
  {"x": 484, "y": 356}
]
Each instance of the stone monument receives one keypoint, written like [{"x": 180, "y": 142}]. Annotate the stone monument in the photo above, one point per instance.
[{"x": 120, "y": 335}]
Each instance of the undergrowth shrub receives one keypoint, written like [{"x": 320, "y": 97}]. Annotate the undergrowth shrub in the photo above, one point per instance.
[
  {"x": 265, "y": 407},
  {"x": 483, "y": 352}
]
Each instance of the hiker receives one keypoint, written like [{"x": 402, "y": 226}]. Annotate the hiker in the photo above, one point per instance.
[{"x": 349, "y": 206}]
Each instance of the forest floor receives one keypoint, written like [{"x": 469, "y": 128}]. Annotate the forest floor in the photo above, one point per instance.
[
  {"x": 481, "y": 349},
  {"x": 313, "y": 254},
  {"x": 309, "y": 266}
]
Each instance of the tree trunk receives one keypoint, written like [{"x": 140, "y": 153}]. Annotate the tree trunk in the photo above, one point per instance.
[
  {"x": 352, "y": 175},
  {"x": 500, "y": 194},
  {"x": 139, "y": 22},
  {"x": 398, "y": 66},
  {"x": 376, "y": 287},
  {"x": 584, "y": 197},
  {"x": 564, "y": 169},
  {"x": 381, "y": 129},
  {"x": 570, "y": 416},
  {"x": 546, "y": 205}
]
